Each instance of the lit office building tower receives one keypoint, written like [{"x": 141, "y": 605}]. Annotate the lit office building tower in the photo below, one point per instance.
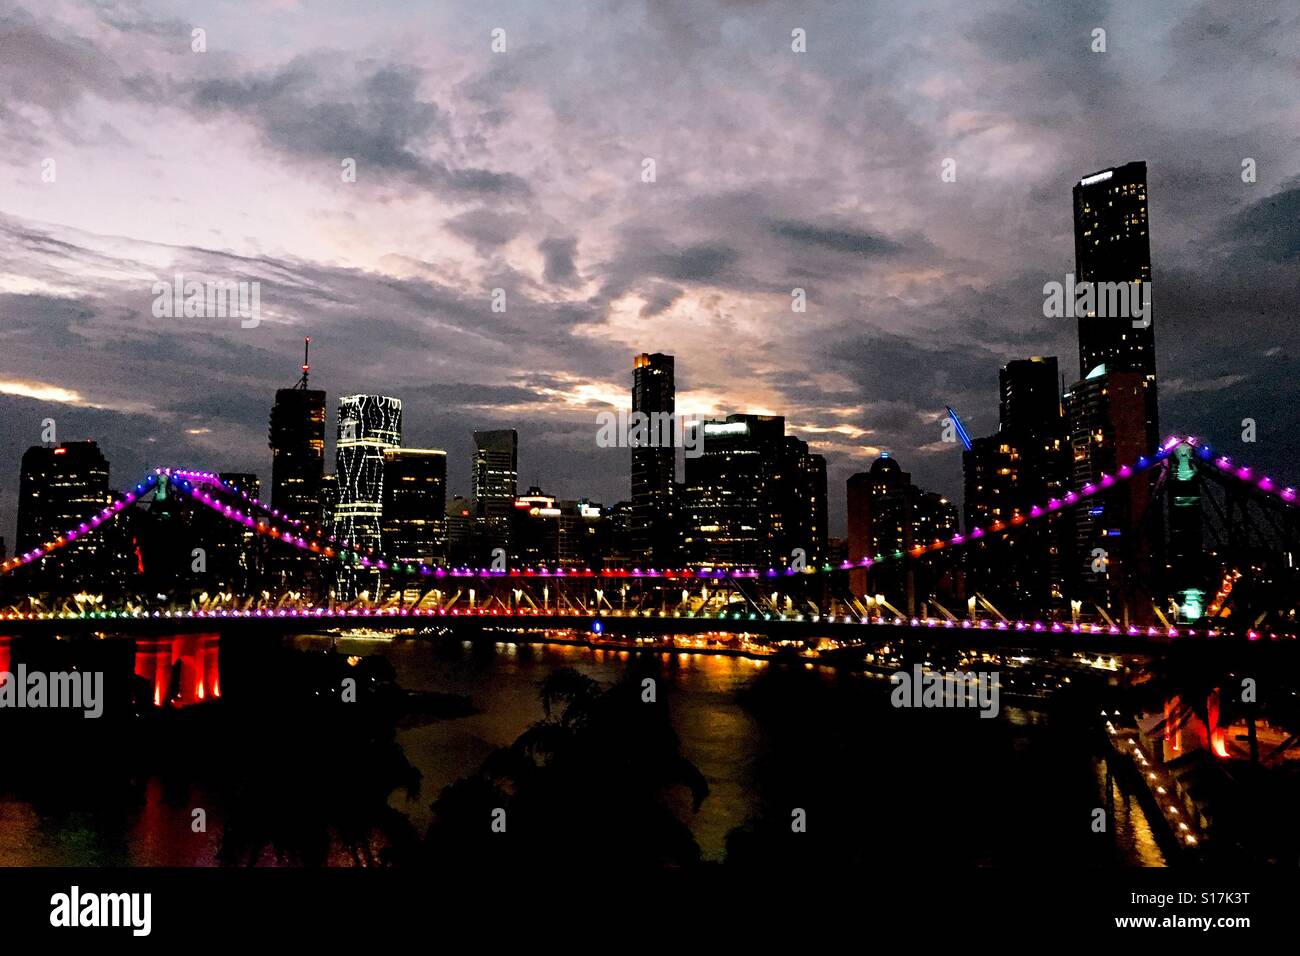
[
  {"x": 369, "y": 425},
  {"x": 887, "y": 514},
  {"x": 58, "y": 489},
  {"x": 753, "y": 496},
  {"x": 495, "y": 481},
  {"x": 297, "y": 440},
  {"x": 1113, "y": 411},
  {"x": 1026, "y": 463},
  {"x": 1114, "y": 531},
  {"x": 1112, "y": 244},
  {"x": 415, "y": 504},
  {"x": 654, "y": 537},
  {"x": 799, "y": 492},
  {"x": 727, "y": 504}
]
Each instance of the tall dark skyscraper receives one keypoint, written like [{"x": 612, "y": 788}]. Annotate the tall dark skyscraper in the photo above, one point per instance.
[
  {"x": 415, "y": 504},
  {"x": 58, "y": 488},
  {"x": 805, "y": 518},
  {"x": 1026, "y": 463},
  {"x": 654, "y": 535},
  {"x": 1113, "y": 411},
  {"x": 297, "y": 440},
  {"x": 1112, "y": 244},
  {"x": 369, "y": 425}
]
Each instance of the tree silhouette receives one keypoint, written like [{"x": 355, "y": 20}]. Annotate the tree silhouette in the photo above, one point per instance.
[{"x": 592, "y": 783}]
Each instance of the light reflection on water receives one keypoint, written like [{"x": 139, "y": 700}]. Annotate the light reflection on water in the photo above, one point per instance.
[{"x": 722, "y": 738}]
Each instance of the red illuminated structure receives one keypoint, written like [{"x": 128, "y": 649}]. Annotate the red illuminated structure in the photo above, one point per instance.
[{"x": 182, "y": 669}]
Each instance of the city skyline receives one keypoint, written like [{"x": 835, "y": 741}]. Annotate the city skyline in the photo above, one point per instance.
[
  {"x": 648, "y": 437},
  {"x": 905, "y": 274}
]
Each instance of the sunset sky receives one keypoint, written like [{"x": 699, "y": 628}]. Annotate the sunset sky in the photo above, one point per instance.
[{"x": 522, "y": 171}]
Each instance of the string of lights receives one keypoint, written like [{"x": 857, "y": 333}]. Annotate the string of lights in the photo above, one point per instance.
[{"x": 200, "y": 486}]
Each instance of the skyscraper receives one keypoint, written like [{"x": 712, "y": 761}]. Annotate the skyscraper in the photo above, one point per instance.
[
  {"x": 1113, "y": 411},
  {"x": 1026, "y": 463},
  {"x": 728, "y": 506},
  {"x": 655, "y": 539},
  {"x": 58, "y": 488},
  {"x": 1112, "y": 244},
  {"x": 297, "y": 440},
  {"x": 415, "y": 504},
  {"x": 368, "y": 426},
  {"x": 799, "y": 490},
  {"x": 1116, "y": 531},
  {"x": 753, "y": 496},
  {"x": 495, "y": 482},
  {"x": 496, "y": 472}
]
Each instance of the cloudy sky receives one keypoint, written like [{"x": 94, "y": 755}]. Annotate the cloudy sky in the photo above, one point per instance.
[{"x": 522, "y": 170}]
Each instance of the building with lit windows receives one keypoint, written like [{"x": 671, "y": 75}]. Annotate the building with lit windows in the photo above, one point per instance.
[
  {"x": 1024, "y": 464},
  {"x": 753, "y": 496},
  {"x": 655, "y": 539},
  {"x": 1112, "y": 243},
  {"x": 887, "y": 516},
  {"x": 1113, "y": 410},
  {"x": 297, "y": 441},
  {"x": 415, "y": 504},
  {"x": 495, "y": 482},
  {"x": 1116, "y": 534},
  {"x": 555, "y": 532},
  {"x": 368, "y": 426},
  {"x": 59, "y": 488}
]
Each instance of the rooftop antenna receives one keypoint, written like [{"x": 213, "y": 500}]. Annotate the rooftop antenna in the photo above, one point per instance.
[{"x": 306, "y": 362}]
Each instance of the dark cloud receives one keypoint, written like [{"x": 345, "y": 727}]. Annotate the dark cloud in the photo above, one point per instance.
[
  {"x": 846, "y": 240},
  {"x": 659, "y": 297},
  {"x": 1268, "y": 227},
  {"x": 485, "y": 229},
  {"x": 378, "y": 120},
  {"x": 558, "y": 255},
  {"x": 702, "y": 262}
]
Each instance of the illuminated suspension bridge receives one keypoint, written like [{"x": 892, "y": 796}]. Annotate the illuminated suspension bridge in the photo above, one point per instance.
[{"x": 1246, "y": 515}]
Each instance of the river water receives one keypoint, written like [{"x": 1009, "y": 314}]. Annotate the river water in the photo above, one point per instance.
[{"x": 1014, "y": 790}]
